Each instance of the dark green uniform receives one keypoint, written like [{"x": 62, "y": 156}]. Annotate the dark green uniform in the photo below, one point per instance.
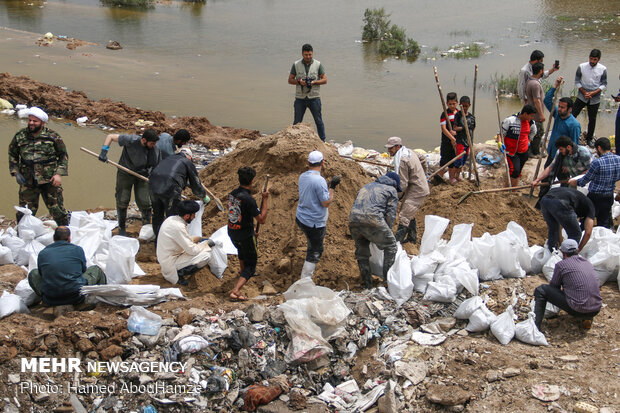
[{"x": 38, "y": 159}]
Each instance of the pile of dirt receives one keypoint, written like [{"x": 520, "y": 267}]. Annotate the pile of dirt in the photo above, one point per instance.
[{"x": 74, "y": 104}]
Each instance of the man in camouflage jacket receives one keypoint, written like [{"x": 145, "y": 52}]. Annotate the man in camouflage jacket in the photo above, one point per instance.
[{"x": 37, "y": 159}]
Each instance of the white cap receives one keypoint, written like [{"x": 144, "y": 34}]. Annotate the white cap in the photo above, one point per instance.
[
  {"x": 186, "y": 151},
  {"x": 315, "y": 157},
  {"x": 38, "y": 113}
]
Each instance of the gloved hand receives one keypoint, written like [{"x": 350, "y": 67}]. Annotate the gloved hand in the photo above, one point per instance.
[
  {"x": 206, "y": 199},
  {"x": 21, "y": 180},
  {"x": 503, "y": 148},
  {"x": 103, "y": 156},
  {"x": 335, "y": 181}
]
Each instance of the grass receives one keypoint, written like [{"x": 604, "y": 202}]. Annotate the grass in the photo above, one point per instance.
[
  {"x": 505, "y": 84},
  {"x": 392, "y": 38},
  {"x": 469, "y": 51},
  {"x": 460, "y": 33},
  {"x": 565, "y": 18}
]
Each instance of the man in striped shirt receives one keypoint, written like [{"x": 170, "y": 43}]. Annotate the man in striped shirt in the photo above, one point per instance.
[
  {"x": 603, "y": 174},
  {"x": 574, "y": 287}
]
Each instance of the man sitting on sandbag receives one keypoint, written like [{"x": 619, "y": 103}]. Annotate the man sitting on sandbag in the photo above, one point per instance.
[
  {"x": 179, "y": 254},
  {"x": 61, "y": 272},
  {"x": 371, "y": 219},
  {"x": 573, "y": 288}
]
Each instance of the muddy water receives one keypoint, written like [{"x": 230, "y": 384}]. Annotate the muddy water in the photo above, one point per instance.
[{"x": 229, "y": 60}]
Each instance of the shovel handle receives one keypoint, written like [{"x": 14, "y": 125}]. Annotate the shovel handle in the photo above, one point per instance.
[
  {"x": 121, "y": 167},
  {"x": 262, "y": 202}
]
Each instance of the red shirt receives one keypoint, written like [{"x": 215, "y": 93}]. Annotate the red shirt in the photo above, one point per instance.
[{"x": 524, "y": 140}]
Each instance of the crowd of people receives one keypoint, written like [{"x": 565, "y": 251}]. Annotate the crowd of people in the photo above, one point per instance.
[{"x": 158, "y": 167}]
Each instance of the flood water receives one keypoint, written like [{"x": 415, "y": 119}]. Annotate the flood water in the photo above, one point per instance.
[{"x": 229, "y": 60}]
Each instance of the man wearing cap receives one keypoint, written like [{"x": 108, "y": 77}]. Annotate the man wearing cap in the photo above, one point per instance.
[
  {"x": 168, "y": 180},
  {"x": 37, "y": 159},
  {"x": 573, "y": 288},
  {"x": 371, "y": 219},
  {"x": 308, "y": 74},
  {"x": 563, "y": 208},
  {"x": 168, "y": 144},
  {"x": 178, "y": 253},
  {"x": 412, "y": 172},
  {"x": 140, "y": 154},
  {"x": 311, "y": 216}
]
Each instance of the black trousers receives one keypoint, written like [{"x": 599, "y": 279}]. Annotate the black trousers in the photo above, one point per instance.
[
  {"x": 602, "y": 208},
  {"x": 592, "y": 113},
  {"x": 548, "y": 293},
  {"x": 315, "y": 237}
]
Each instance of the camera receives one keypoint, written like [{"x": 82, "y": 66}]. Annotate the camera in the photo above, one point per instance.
[
  {"x": 308, "y": 80},
  {"x": 556, "y": 64}
]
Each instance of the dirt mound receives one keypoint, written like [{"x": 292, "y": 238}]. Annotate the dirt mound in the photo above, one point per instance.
[
  {"x": 284, "y": 157},
  {"x": 74, "y": 104}
]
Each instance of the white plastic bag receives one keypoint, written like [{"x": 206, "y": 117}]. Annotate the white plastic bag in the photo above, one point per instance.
[
  {"x": 503, "y": 328},
  {"x": 121, "y": 259},
  {"x": 46, "y": 239},
  {"x": 482, "y": 258},
  {"x": 218, "y": 261},
  {"x": 27, "y": 294},
  {"x": 549, "y": 266},
  {"x": 31, "y": 248},
  {"x": 480, "y": 320},
  {"x": 30, "y": 222},
  {"x": 469, "y": 280},
  {"x": 423, "y": 265},
  {"x": 434, "y": 227},
  {"x": 221, "y": 235},
  {"x": 6, "y": 256},
  {"x": 443, "y": 293},
  {"x": 142, "y": 321},
  {"x": 540, "y": 255},
  {"x": 527, "y": 332},
  {"x": 376, "y": 260},
  {"x": 420, "y": 282},
  {"x": 191, "y": 344},
  {"x": 460, "y": 242},
  {"x": 195, "y": 227},
  {"x": 146, "y": 233},
  {"x": 11, "y": 303},
  {"x": 10, "y": 240},
  {"x": 467, "y": 307},
  {"x": 400, "y": 283},
  {"x": 507, "y": 247}
]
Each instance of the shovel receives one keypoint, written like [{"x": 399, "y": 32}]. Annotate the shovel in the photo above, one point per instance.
[{"x": 467, "y": 195}]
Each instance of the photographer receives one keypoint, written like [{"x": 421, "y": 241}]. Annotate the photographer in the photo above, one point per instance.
[{"x": 308, "y": 74}]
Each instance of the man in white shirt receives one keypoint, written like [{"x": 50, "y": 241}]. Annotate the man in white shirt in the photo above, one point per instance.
[
  {"x": 178, "y": 253},
  {"x": 526, "y": 73},
  {"x": 591, "y": 80}
]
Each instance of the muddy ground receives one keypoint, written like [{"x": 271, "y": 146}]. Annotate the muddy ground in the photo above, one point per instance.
[{"x": 592, "y": 375}]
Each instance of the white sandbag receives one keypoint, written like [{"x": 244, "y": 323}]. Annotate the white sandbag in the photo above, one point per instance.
[
  {"x": 121, "y": 259},
  {"x": 547, "y": 269},
  {"x": 399, "y": 278},
  {"x": 6, "y": 256},
  {"x": 218, "y": 261},
  {"x": 27, "y": 294},
  {"x": 442, "y": 293},
  {"x": 480, "y": 320},
  {"x": 503, "y": 328},
  {"x": 11, "y": 303},
  {"x": 195, "y": 227},
  {"x": 31, "y": 248},
  {"x": 448, "y": 279},
  {"x": 461, "y": 242},
  {"x": 46, "y": 239},
  {"x": 551, "y": 310},
  {"x": 507, "y": 248},
  {"x": 469, "y": 280},
  {"x": 615, "y": 210},
  {"x": 482, "y": 258},
  {"x": 434, "y": 227},
  {"x": 146, "y": 233},
  {"x": 10, "y": 240},
  {"x": 30, "y": 222},
  {"x": 527, "y": 332},
  {"x": 420, "y": 282},
  {"x": 423, "y": 265},
  {"x": 376, "y": 260},
  {"x": 467, "y": 307},
  {"x": 346, "y": 149},
  {"x": 221, "y": 235},
  {"x": 540, "y": 255}
]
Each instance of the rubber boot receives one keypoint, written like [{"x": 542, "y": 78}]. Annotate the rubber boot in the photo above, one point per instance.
[
  {"x": 365, "y": 273},
  {"x": 122, "y": 220},
  {"x": 412, "y": 232},
  {"x": 308, "y": 269},
  {"x": 388, "y": 261},
  {"x": 146, "y": 217},
  {"x": 401, "y": 233}
]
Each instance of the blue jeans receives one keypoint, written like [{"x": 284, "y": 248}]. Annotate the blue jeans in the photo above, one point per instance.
[
  {"x": 315, "y": 237},
  {"x": 314, "y": 105},
  {"x": 556, "y": 213}
]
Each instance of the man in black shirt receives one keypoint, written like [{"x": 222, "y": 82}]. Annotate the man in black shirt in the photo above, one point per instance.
[
  {"x": 242, "y": 210},
  {"x": 564, "y": 207}
]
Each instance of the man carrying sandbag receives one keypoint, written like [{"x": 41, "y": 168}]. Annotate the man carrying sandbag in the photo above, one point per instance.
[
  {"x": 573, "y": 288},
  {"x": 371, "y": 219},
  {"x": 178, "y": 253},
  {"x": 61, "y": 272}
]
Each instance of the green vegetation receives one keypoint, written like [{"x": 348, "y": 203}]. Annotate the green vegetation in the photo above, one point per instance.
[
  {"x": 392, "y": 39},
  {"x": 127, "y": 3},
  {"x": 469, "y": 51},
  {"x": 460, "y": 33},
  {"x": 505, "y": 84},
  {"x": 564, "y": 18}
]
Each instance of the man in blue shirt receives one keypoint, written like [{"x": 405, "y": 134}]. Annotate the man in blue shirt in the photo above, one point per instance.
[
  {"x": 603, "y": 174},
  {"x": 168, "y": 145},
  {"x": 311, "y": 216},
  {"x": 564, "y": 123},
  {"x": 61, "y": 272}
]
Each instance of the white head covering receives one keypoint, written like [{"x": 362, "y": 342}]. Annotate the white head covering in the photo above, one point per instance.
[
  {"x": 315, "y": 157},
  {"x": 38, "y": 113}
]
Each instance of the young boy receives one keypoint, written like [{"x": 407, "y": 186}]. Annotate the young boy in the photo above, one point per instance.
[
  {"x": 242, "y": 210},
  {"x": 448, "y": 140},
  {"x": 462, "y": 144}
]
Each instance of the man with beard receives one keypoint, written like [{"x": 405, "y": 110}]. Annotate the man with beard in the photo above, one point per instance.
[
  {"x": 591, "y": 80},
  {"x": 37, "y": 159}
]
